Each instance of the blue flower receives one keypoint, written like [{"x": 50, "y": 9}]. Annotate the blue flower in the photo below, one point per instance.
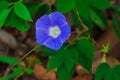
[{"x": 52, "y": 30}]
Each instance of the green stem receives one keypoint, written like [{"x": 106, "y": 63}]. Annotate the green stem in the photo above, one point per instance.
[
  {"x": 80, "y": 20},
  {"x": 103, "y": 58}
]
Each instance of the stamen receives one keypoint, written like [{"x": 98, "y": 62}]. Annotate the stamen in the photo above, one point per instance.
[{"x": 54, "y": 31}]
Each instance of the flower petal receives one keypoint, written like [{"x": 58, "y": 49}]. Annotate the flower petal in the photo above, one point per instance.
[
  {"x": 41, "y": 27},
  {"x": 43, "y": 22},
  {"x": 57, "y": 18},
  {"x": 54, "y": 44},
  {"x": 64, "y": 36},
  {"x": 65, "y": 28},
  {"x": 41, "y": 36}
]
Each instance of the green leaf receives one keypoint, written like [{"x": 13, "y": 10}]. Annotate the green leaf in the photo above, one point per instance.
[
  {"x": 116, "y": 27},
  {"x": 33, "y": 7},
  {"x": 71, "y": 57},
  {"x": 100, "y": 4},
  {"x": 50, "y": 52},
  {"x": 38, "y": 49},
  {"x": 30, "y": 59},
  {"x": 86, "y": 53},
  {"x": 64, "y": 60},
  {"x": 67, "y": 6},
  {"x": 67, "y": 55},
  {"x": 0, "y": 78},
  {"x": 83, "y": 8},
  {"x": 21, "y": 10},
  {"x": 3, "y": 16},
  {"x": 103, "y": 72},
  {"x": 89, "y": 24},
  {"x": 17, "y": 71},
  {"x": 22, "y": 25},
  {"x": 17, "y": 22},
  {"x": 75, "y": 19},
  {"x": 8, "y": 60},
  {"x": 64, "y": 73},
  {"x": 28, "y": 70},
  {"x": 10, "y": 0},
  {"x": 47, "y": 51},
  {"x": 3, "y": 5},
  {"x": 56, "y": 60},
  {"x": 38, "y": 62},
  {"x": 33, "y": 60},
  {"x": 106, "y": 48},
  {"x": 44, "y": 9},
  {"x": 97, "y": 19},
  {"x": 117, "y": 9},
  {"x": 116, "y": 73}
]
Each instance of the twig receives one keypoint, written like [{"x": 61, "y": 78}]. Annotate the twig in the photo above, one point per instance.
[
  {"x": 96, "y": 44},
  {"x": 12, "y": 66}
]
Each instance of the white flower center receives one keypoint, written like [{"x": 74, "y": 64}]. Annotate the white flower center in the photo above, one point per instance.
[{"x": 54, "y": 31}]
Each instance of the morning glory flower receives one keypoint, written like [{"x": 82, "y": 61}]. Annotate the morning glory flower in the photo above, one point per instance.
[{"x": 52, "y": 30}]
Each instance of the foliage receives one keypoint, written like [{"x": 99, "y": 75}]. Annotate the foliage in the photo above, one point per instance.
[
  {"x": 8, "y": 60},
  {"x": 21, "y": 11},
  {"x": 104, "y": 71},
  {"x": 106, "y": 48},
  {"x": 85, "y": 14}
]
